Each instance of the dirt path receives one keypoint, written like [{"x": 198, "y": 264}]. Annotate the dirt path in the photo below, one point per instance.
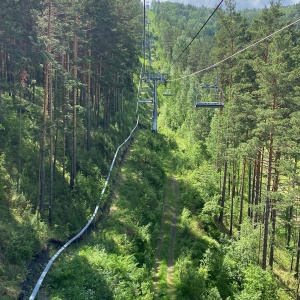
[
  {"x": 172, "y": 242},
  {"x": 164, "y": 258}
]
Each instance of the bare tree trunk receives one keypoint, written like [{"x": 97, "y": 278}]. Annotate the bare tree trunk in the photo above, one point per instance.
[
  {"x": 222, "y": 203},
  {"x": 289, "y": 225},
  {"x": 257, "y": 186},
  {"x": 229, "y": 185},
  {"x": 88, "y": 125},
  {"x": 253, "y": 190},
  {"x": 267, "y": 204},
  {"x": 51, "y": 146},
  {"x": 274, "y": 210},
  {"x": 290, "y": 212},
  {"x": 242, "y": 193},
  {"x": 261, "y": 174},
  {"x": 66, "y": 149},
  {"x": 50, "y": 110},
  {"x": 1, "y": 105},
  {"x": 232, "y": 198},
  {"x": 249, "y": 191},
  {"x": 2, "y": 77},
  {"x": 42, "y": 180},
  {"x": 297, "y": 257},
  {"x": 43, "y": 145},
  {"x": 55, "y": 146},
  {"x": 73, "y": 165}
]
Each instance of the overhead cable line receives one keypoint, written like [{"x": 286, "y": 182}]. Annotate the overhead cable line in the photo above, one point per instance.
[
  {"x": 196, "y": 23},
  {"x": 144, "y": 39},
  {"x": 236, "y": 53},
  {"x": 197, "y": 33}
]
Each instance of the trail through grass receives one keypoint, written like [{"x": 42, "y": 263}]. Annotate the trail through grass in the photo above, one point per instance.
[{"x": 164, "y": 259}]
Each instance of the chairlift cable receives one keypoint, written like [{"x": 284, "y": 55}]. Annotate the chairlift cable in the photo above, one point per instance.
[
  {"x": 144, "y": 33},
  {"x": 236, "y": 53},
  {"x": 196, "y": 23},
  {"x": 205, "y": 23}
]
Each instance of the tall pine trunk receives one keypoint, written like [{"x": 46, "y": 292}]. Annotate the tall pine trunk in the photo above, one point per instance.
[
  {"x": 242, "y": 193},
  {"x": 290, "y": 210},
  {"x": 298, "y": 256},
  {"x": 88, "y": 125},
  {"x": 274, "y": 210},
  {"x": 232, "y": 199},
  {"x": 222, "y": 202},
  {"x": 42, "y": 180},
  {"x": 257, "y": 186},
  {"x": 267, "y": 204},
  {"x": 74, "y": 92},
  {"x": 249, "y": 190}
]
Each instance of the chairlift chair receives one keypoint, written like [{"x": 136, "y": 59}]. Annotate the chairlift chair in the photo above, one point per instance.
[
  {"x": 167, "y": 93},
  {"x": 209, "y": 104},
  {"x": 145, "y": 100},
  {"x": 216, "y": 96}
]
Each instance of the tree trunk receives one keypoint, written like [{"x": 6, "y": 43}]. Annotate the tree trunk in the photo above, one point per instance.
[
  {"x": 249, "y": 191},
  {"x": 257, "y": 186},
  {"x": 47, "y": 95},
  {"x": 290, "y": 211},
  {"x": 50, "y": 110},
  {"x": 297, "y": 257},
  {"x": 1, "y": 120},
  {"x": 232, "y": 199},
  {"x": 88, "y": 125},
  {"x": 253, "y": 191},
  {"x": 222, "y": 202},
  {"x": 242, "y": 193},
  {"x": 66, "y": 115},
  {"x": 267, "y": 204},
  {"x": 274, "y": 210},
  {"x": 43, "y": 145},
  {"x": 73, "y": 164},
  {"x": 50, "y": 146}
]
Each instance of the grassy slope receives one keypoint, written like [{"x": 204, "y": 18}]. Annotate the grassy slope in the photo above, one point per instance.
[
  {"x": 118, "y": 258},
  {"x": 24, "y": 238}
]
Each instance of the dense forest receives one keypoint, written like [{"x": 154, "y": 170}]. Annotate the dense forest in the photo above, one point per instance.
[
  {"x": 250, "y": 148},
  {"x": 214, "y": 193},
  {"x": 66, "y": 90}
]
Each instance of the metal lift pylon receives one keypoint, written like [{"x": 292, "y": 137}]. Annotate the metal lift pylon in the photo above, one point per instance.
[{"x": 155, "y": 78}]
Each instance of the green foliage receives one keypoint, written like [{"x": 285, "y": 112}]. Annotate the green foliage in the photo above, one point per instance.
[
  {"x": 191, "y": 282},
  {"x": 208, "y": 216},
  {"x": 117, "y": 262},
  {"x": 96, "y": 274},
  {"x": 197, "y": 282},
  {"x": 261, "y": 96},
  {"x": 258, "y": 284}
]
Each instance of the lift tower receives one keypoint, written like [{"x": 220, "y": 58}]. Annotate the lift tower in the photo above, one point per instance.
[{"x": 155, "y": 78}]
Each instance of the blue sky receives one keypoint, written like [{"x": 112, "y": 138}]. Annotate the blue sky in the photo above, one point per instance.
[{"x": 240, "y": 4}]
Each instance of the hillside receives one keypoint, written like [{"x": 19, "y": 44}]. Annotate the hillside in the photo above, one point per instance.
[{"x": 202, "y": 203}]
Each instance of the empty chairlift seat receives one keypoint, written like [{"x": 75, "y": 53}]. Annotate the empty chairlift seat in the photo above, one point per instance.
[
  {"x": 209, "y": 104},
  {"x": 210, "y": 100},
  {"x": 167, "y": 93}
]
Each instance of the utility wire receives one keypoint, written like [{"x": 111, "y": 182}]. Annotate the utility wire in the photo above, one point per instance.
[
  {"x": 236, "y": 53},
  {"x": 197, "y": 33},
  {"x": 144, "y": 33},
  {"x": 196, "y": 23}
]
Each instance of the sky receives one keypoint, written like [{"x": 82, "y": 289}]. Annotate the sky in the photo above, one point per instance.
[{"x": 240, "y": 4}]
